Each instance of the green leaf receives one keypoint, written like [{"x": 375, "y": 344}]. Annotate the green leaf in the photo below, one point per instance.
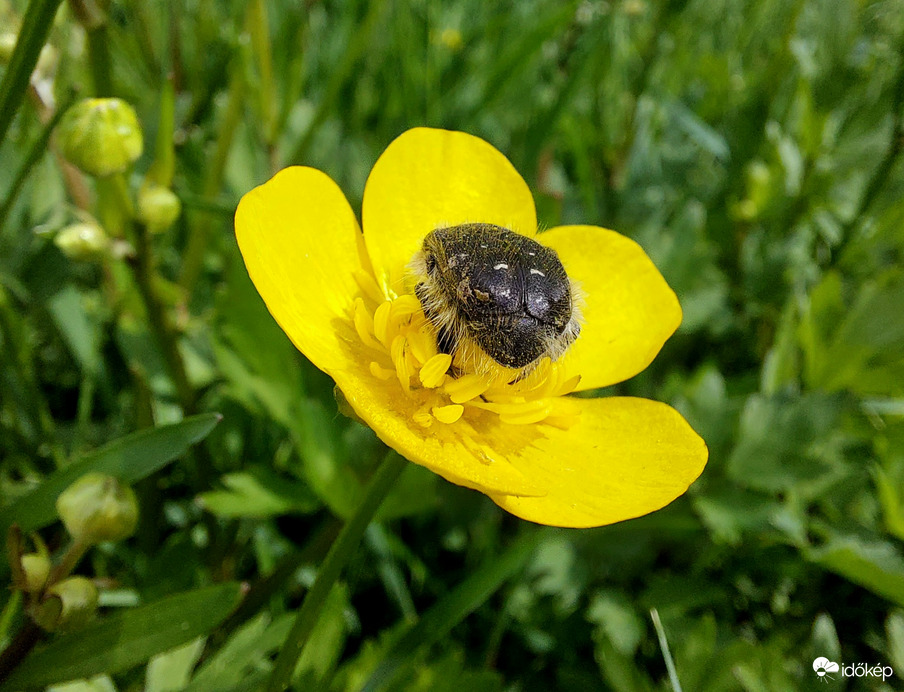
[
  {"x": 171, "y": 670},
  {"x": 876, "y": 566},
  {"x": 251, "y": 644},
  {"x": 100, "y": 683},
  {"x": 258, "y": 493},
  {"x": 130, "y": 459},
  {"x": 786, "y": 442},
  {"x": 80, "y": 333},
  {"x": 128, "y": 638},
  {"x": 616, "y": 619}
]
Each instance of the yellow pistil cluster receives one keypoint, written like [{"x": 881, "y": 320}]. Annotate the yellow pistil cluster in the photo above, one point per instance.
[{"x": 403, "y": 345}]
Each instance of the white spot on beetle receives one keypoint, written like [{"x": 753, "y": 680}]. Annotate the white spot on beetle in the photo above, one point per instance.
[
  {"x": 501, "y": 265},
  {"x": 537, "y": 272}
]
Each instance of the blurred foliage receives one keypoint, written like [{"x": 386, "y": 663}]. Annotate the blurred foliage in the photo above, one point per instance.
[{"x": 752, "y": 147}]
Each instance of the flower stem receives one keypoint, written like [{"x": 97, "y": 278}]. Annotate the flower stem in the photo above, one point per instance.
[
  {"x": 35, "y": 27},
  {"x": 336, "y": 559},
  {"x": 163, "y": 329}
]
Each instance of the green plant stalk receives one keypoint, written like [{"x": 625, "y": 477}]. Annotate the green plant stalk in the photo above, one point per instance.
[
  {"x": 94, "y": 20},
  {"x": 18, "y": 648},
  {"x": 260, "y": 44},
  {"x": 70, "y": 559},
  {"x": 30, "y": 634},
  {"x": 666, "y": 653},
  {"x": 35, "y": 28},
  {"x": 335, "y": 561},
  {"x": 199, "y": 237},
  {"x": 143, "y": 267}
]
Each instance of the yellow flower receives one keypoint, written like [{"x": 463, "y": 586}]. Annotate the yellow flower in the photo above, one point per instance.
[{"x": 346, "y": 300}]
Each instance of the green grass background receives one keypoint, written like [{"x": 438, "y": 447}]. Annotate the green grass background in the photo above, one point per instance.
[{"x": 751, "y": 147}]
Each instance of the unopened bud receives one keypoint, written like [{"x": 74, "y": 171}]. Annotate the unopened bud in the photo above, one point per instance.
[
  {"x": 158, "y": 207},
  {"x": 36, "y": 568},
  {"x": 98, "y": 507},
  {"x": 68, "y": 605},
  {"x": 82, "y": 241},
  {"x": 101, "y": 136}
]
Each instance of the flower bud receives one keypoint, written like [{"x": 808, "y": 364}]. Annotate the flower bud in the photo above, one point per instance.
[
  {"x": 158, "y": 207},
  {"x": 98, "y": 507},
  {"x": 100, "y": 136},
  {"x": 68, "y": 605},
  {"x": 36, "y": 568},
  {"x": 82, "y": 241}
]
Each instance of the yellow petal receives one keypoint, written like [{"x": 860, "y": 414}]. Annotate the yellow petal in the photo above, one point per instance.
[
  {"x": 629, "y": 310},
  {"x": 302, "y": 247},
  {"x": 430, "y": 178},
  {"x": 622, "y": 458},
  {"x": 444, "y": 449}
]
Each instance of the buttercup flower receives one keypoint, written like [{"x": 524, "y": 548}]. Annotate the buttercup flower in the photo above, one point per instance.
[{"x": 346, "y": 299}]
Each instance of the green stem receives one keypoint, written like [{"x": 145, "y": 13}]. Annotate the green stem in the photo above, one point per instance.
[
  {"x": 259, "y": 30},
  {"x": 35, "y": 28},
  {"x": 94, "y": 20},
  {"x": 335, "y": 561},
  {"x": 199, "y": 237},
  {"x": 666, "y": 654},
  {"x": 143, "y": 266},
  {"x": 24, "y": 641}
]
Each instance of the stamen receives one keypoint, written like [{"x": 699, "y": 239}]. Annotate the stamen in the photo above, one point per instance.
[
  {"x": 364, "y": 324},
  {"x": 381, "y": 322},
  {"x": 527, "y": 416},
  {"x": 399, "y": 331},
  {"x": 422, "y": 418},
  {"x": 448, "y": 414},
  {"x": 433, "y": 372},
  {"x": 379, "y": 372},
  {"x": 405, "y": 305},
  {"x": 568, "y": 386},
  {"x": 423, "y": 344},
  {"x": 397, "y": 352},
  {"x": 466, "y": 387}
]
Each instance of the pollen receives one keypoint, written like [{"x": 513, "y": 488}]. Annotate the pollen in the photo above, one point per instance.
[{"x": 400, "y": 343}]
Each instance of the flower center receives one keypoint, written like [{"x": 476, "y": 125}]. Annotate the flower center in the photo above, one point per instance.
[{"x": 402, "y": 343}]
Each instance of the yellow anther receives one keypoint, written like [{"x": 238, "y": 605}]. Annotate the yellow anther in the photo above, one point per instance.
[
  {"x": 568, "y": 386},
  {"x": 364, "y": 324},
  {"x": 448, "y": 414},
  {"x": 513, "y": 408},
  {"x": 405, "y": 305},
  {"x": 380, "y": 372},
  {"x": 398, "y": 353},
  {"x": 526, "y": 416},
  {"x": 422, "y": 418},
  {"x": 466, "y": 388},
  {"x": 381, "y": 323},
  {"x": 423, "y": 344},
  {"x": 433, "y": 374}
]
